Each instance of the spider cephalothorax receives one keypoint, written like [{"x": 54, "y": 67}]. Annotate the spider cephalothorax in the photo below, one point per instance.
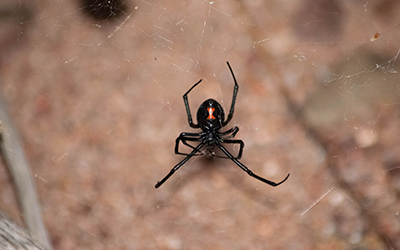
[{"x": 210, "y": 119}]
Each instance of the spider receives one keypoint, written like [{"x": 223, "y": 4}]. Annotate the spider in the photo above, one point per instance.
[{"x": 210, "y": 119}]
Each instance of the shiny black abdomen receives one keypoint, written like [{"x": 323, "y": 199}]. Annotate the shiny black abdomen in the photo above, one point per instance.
[{"x": 210, "y": 115}]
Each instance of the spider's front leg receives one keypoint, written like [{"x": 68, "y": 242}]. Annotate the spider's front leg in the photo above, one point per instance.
[
  {"x": 248, "y": 171},
  {"x": 183, "y": 137},
  {"x": 177, "y": 166},
  {"x": 241, "y": 144},
  {"x": 233, "y": 132}
]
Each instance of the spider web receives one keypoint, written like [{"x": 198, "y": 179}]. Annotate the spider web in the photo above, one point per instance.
[{"x": 95, "y": 89}]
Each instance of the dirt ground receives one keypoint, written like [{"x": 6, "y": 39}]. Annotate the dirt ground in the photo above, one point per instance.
[{"x": 95, "y": 91}]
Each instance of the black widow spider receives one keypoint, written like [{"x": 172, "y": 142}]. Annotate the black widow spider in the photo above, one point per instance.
[{"x": 211, "y": 118}]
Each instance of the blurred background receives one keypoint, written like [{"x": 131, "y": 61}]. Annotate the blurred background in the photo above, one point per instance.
[{"x": 94, "y": 89}]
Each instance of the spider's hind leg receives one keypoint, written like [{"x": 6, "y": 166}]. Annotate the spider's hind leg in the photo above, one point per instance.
[{"x": 186, "y": 102}]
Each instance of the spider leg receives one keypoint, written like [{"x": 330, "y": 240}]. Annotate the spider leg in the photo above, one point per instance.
[
  {"x": 248, "y": 171},
  {"x": 235, "y": 91},
  {"x": 177, "y": 166},
  {"x": 233, "y": 130},
  {"x": 240, "y": 142},
  {"x": 186, "y": 101},
  {"x": 183, "y": 137}
]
